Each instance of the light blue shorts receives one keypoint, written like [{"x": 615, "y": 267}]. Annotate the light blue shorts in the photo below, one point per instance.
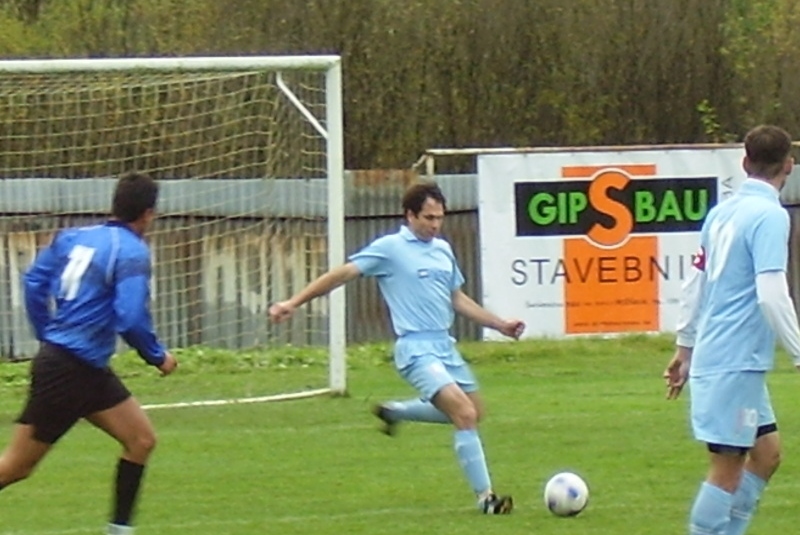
[
  {"x": 728, "y": 408},
  {"x": 429, "y": 374}
]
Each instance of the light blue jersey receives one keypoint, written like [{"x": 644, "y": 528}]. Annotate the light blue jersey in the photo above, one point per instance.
[
  {"x": 741, "y": 237},
  {"x": 417, "y": 280}
]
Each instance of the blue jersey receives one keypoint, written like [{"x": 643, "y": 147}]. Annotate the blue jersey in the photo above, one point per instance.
[
  {"x": 746, "y": 235},
  {"x": 98, "y": 280},
  {"x": 416, "y": 278}
]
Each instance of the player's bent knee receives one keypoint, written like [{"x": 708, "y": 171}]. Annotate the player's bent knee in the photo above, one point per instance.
[
  {"x": 480, "y": 413},
  {"x": 141, "y": 446},
  {"x": 148, "y": 442},
  {"x": 465, "y": 417},
  {"x": 766, "y": 455}
]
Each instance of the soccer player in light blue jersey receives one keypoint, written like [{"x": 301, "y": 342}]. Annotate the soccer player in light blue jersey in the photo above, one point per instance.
[
  {"x": 734, "y": 305},
  {"x": 98, "y": 280},
  {"x": 420, "y": 281}
]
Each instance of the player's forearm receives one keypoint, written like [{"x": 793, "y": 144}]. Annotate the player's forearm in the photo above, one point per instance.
[
  {"x": 778, "y": 309},
  {"x": 146, "y": 344},
  {"x": 325, "y": 284},
  {"x": 684, "y": 354},
  {"x": 466, "y": 306}
]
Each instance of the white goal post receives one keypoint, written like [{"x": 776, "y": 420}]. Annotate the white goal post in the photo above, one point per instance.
[{"x": 249, "y": 154}]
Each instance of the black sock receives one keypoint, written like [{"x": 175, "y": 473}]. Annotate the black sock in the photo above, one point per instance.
[{"x": 129, "y": 477}]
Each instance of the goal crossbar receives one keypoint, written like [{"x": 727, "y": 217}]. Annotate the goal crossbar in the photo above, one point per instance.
[{"x": 214, "y": 63}]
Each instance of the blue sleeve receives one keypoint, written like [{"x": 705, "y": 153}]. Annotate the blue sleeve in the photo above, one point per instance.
[
  {"x": 132, "y": 309},
  {"x": 373, "y": 260},
  {"x": 37, "y": 283},
  {"x": 770, "y": 242}
]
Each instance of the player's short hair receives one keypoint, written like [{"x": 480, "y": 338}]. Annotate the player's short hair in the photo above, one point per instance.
[
  {"x": 767, "y": 148},
  {"x": 416, "y": 194},
  {"x": 134, "y": 194}
]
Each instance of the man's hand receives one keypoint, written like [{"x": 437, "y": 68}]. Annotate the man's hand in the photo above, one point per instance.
[
  {"x": 280, "y": 312},
  {"x": 677, "y": 372},
  {"x": 512, "y": 328},
  {"x": 169, "y": 364}
]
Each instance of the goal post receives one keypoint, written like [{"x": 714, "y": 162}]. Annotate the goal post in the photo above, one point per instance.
[{"x": 249, "y": 154}]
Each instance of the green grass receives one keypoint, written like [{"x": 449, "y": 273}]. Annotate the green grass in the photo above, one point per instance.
[{"x": 319, "y": 467}]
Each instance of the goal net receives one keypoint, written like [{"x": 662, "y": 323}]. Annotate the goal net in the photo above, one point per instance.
[{"x": 248, "y": 152}]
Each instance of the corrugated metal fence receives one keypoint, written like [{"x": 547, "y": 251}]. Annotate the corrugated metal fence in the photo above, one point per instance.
[
  {"x": 215, "y": 277},
  {"x": 224, "y": 250}
]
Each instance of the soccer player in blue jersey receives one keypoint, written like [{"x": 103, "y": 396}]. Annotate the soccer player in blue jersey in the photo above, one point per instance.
[
  {"x": 97, "y": 279},
  {"x": 734, "y": 305},
  {"x": 420, "y": 281}
]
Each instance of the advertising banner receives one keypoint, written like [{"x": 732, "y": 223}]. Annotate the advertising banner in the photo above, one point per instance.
[{"x": 595, "y": 242}]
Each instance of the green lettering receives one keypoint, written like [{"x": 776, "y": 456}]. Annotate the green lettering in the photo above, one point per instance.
[
  {"x": 577, "y": 204},
  {"x": 695, "y": 211},
  {"x": 562, "y": 208},
  {"x": 645, "y": 206},
  {"x": 542, "y": 209},
  {"x": 669, "y": 208}
]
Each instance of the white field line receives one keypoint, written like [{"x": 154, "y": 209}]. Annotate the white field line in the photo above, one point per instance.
[{"x": 237, "y": 401}]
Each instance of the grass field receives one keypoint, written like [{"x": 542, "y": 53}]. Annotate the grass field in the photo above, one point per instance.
[{"x": 318, "y": 466}]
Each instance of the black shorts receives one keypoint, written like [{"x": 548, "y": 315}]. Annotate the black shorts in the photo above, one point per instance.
[{"x": 63, "y": 390}]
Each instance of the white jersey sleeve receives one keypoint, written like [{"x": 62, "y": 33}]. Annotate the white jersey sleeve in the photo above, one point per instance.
[
  {"x": 689, "y": 307},
  {"x": 776, "y": 304}
]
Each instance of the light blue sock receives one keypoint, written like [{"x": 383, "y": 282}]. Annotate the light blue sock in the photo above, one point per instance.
[
  {"x": 711, "y": 512},
  {"x": 415, "y": 410},
  {"x": 470, "y": 456},
  {"x": 744, "y": 503}
]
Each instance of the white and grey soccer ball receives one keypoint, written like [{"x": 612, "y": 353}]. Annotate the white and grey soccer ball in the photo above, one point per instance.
[{"x": 566, "y": 494}]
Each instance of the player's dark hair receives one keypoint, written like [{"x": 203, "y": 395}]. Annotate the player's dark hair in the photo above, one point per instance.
[
  {"x": 416, "y": 194},
  {"x": 134, "y": 194},
  {"x": 767, "y": 148}
]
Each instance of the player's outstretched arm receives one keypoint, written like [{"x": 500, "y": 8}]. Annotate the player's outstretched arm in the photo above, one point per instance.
[
  {"x": 466, "y": 306},
  {"x": 323, "y": 285}
]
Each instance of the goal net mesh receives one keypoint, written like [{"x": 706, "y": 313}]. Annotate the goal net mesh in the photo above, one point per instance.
[{"x": 242, "y": 209}]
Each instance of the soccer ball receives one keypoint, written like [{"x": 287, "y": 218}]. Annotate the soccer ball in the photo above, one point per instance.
[{"x": 566, "y": 494}]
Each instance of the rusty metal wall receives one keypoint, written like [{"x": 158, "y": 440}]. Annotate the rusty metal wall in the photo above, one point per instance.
[{"x": 212, "y": 283}]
